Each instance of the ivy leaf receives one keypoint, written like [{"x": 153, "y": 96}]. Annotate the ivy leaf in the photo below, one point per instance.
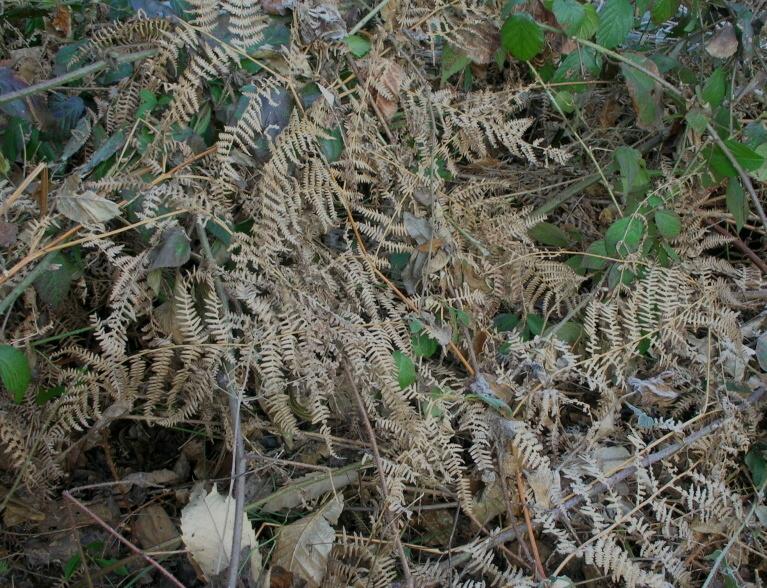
[
  {"x": 663, "y": 10},
  {"x": 174, "y": 250},
  {"x": 624, "y": 236},
  {"x": 615, "y": 22},
  {"x": 737, "y": 203},
  {"x": 668, "y": 222},
  {"x": 14, "y": 372},
  {"x": 453, "y": 61},
  {"x": 715, "y": 88},
  {"x": 522, "y": 37},
  {"x": 405, "y": 369},
  {"x": 358, "y": 46}
]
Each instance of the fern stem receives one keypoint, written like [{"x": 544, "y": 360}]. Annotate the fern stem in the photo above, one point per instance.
[
  {"x": 77, "y": 74},
  {"x": 365, "y": 19}
]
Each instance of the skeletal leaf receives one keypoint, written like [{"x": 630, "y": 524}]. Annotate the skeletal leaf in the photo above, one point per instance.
[
  {"x": 309, "y": 487},
  {"x": 303, "y": 547},
  {"x": 207, "y": 529},
  {"x": 87, "y": 208}
]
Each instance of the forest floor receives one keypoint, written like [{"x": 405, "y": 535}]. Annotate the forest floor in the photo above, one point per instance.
[{"x": 302, "y": 293}]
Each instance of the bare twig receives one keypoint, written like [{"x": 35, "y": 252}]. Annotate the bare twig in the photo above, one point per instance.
[
  {"x": 77, "y": 74},
  {"x": 234, "y": 412},
  {"x": 529, "y": 525},
  {"x": 20, "y": 190},
  {"x": 171, "y": 578},
  {"x": 382, "y": 479},
  {"x": 745, "y": 249}
]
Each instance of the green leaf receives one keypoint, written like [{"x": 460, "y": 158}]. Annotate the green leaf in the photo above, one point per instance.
[
  {"x": 569, "y": 14},
  {"x": 14, "y": 372},
  {"x": 697, "y": 120},
  {"x": 493, "y": 402},
  {"x": 715, "y": 88},
  {"x": 615, "y": 22},
  {"x": 453, "y": 61},
  {"x": 174, "y": 250},
  {"x": 589, "y": 25},
  {"x": 358, "y": 46},
  {"x": 761, "y": 173},
  {"x": 632, "y": 168},
  {"x": 45, "y": 395},
  {"x": 522, "y": 37},
  {"x": 53, "y": 285},
  {"x": 569, "y": 331},
  {"x": 761, "y": 351},
  {"x": 535, "y": 324},
  {"x": 71, "y": 566},
  {"x": 576, "y": 67},
  {"x": 423, "y": 345},
  {"x": 757, "y": 464},
  {"x": 332, "y": 145},
  {"x": 624, "y": 236},
  {"x": 549, "y": 234},
  {"x": 106, "y": 150},
  {"x": 405, "y": 369},
  {"x": 737, "y": 203},
  {"x": 668, "y": 222},
  {"x": 748, "y": 159},
  {"x": 505, "y": 322},
  {"x": 663, "y": 10},
  {"x": 508, "y": 7},
  {"x": 595, "y": 261}
]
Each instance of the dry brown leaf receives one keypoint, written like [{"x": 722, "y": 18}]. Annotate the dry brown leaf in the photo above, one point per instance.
[
  {"x": 153, "y": 526},
  {"x": 303, "y": 547},
  {"x": 87, "y": 208},
  {"x": 724, "y": 43},
  {"x": 479, "y": 41},
  {"x": 207, "y": 527},
  {"x": 8, "y": 233}
]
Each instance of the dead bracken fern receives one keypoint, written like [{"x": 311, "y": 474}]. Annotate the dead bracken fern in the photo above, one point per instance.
[{"x": 348, "y": 228}]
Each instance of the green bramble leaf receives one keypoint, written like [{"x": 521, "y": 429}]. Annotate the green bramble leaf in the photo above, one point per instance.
[
  {"x": 624, "y": 236},
  {"x": 358, "y": 46},
  {"x": 668, "y": 222},
  {"x": 14, "y": 372},
  {"x": 715, "y": 88},
  {"x": 405, "y": 369},
  {"x": 615, "y": 22},
  {"x": 521, "y": 36},
  {"x": 737, "y": 203}
]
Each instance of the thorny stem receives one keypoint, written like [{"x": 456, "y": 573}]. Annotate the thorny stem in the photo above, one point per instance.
[
  {"x": 653, "y": 458},
  {"x": 75, "y": 75},
  {"x": 235, "y": 414},
  {"x": 382, "y": 478},
  {"x": 171, "y": 578}
]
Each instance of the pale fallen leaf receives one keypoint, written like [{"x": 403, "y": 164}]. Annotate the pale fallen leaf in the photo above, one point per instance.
[
  {"x": 307, "y": 488},
  {"x": 724, "y": 43},
  {"x": 87, "y": 208},
  {"x": 303, "y": 547},
  {"x": 152, "y": 526},
  {"x": 207, "y": 529}
]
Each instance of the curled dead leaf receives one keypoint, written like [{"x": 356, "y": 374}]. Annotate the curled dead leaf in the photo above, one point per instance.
[{"x": 724, "y": 43}]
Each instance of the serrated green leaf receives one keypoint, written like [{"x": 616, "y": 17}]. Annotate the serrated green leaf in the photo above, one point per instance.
[
  {"x": 535, "y": 324},
  {"x": 595, "y": 261},
  {"x": 453, "y": 61},
  {"x": 405, "y": 369},
  {"x": 147, "y": 101},
  {"x": 569, "y": 331},
  {"x": 737, "y": 203},
  {"x": 549, "y": 234},
  {"x": 332, "y": 145},
  {"x": 663, "y": 10},
  {"x": 569, "y": 14},
  {"x": 522, "y": 37},
  {"x": 358, "y": 46},
  {"x": 748, "y": 159},
  {"x": 668, "y": 222},
  {"x": 14, "y": 372},
  {"x": 761, "y": 173},
  {"x": 645, "y": 91},
  {"x": 589, "y": 25},
  {"x": 715, "y": 88},
  {"x": 697, "y": 120},
  {"x": 624, "y": 236},
  {"x": 632, "y": 169},
  {"x": 615, "y": 22}
]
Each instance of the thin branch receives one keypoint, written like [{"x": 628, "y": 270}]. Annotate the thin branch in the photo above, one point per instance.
[
  {"x": 171, "y": 578},
  {"x": 745, "y": 249},
  {"x": 665, "y": 453},
  {"x": 381, "y": 477},
  {"x": 77, "y": 74},
  {"x": 235, "y": 414},
  {"x": 529, "y": 525}
]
